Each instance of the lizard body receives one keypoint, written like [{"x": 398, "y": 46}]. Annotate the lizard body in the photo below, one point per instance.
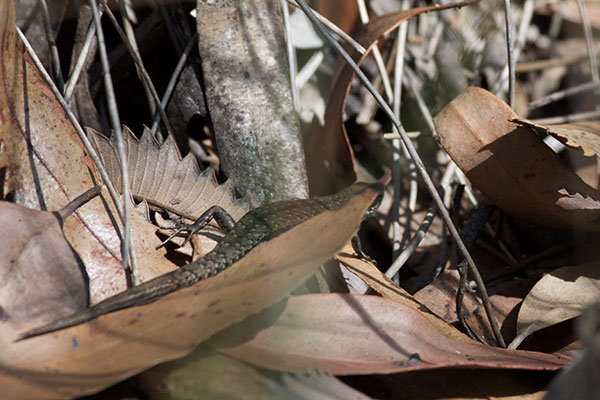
[{"x": 257, "y": 226}]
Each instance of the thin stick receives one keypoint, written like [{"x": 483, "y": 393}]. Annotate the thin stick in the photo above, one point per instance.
[
  {"x": 127, "y": 14},
  {"x": 564, "y": 119},
  {"x": 173, "y": 81},
  {"x": 511, "y": 54},
  {"x": 309, "y": 69},
  {"x": 425, "y": 225},
  {"x": 335, "y": 29},
  {"x": 561, "y": 94},
  {"x": 127, "y": 243},
  {"x": 587, "y": 30},
  {"x": 87, "y": 45},
  {"x": 114, "y": 195},
  {"x": 52, "y": 45},
  {"x": 418, "y": 163},
  {"x": 291, "y": 53},
  {"x": 398, "y": 241},
  {"x": 385, "y": 79},
  {"x": 139, "y": 65}
]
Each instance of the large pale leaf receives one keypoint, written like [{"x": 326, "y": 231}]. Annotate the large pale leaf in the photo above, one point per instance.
[
  {"x": 330, "y": 159},
  {"x": 512, "y": 166},
  {"x": 354, "y": 334},
  {"x": 88, "y": 357},
  {"x": 159, "y": 175},
  {"x": 560, "y": 295}
]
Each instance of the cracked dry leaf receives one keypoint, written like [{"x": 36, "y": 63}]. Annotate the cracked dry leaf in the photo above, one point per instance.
[
  {"x": 582, "y": 135},
  {"x": 512, "y": 166},
  {"x": 158, "y": 175}
]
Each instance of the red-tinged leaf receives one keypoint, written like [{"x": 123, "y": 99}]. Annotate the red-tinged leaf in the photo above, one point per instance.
[
  {"x": 329, "y": 157},
  {"x": 512, "y": 166},
  {"x": 46, "y": 167},
  {"x": 351, "y": 334}
]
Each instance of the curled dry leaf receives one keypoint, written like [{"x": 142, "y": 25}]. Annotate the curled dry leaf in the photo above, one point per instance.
[
  {"x": 159, "y": 175},
  {"x": 41, "y": 277},
  {"x": 560, "y": 295},
  {"x": 346, "y": 334},
  {"x": 329, "y": 156},
  {"x": 583, "y": 135},
  {"x": 512, "y": 166},
  {"x": 85, "y": 358}
]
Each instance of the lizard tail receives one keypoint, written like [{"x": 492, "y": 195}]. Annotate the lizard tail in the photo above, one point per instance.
[{"x": 135, "y": 296}]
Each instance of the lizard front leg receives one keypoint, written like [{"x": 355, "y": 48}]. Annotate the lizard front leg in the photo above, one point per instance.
[{"x": 225, "y": 221}]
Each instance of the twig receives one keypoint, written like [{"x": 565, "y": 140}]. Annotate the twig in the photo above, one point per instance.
[
  {"x": 81, "y": 58},
  {"x": 561, "y": 94},
  {"x": 139, "y": 65},
  {"x": 335, "y": 29},
  {"x": 128, "y": 15},
  {"x": 173, "y": 81},
  {"x": 127, "y": 251},
  {"x": 364, "y": 17},
  {"x": 418, "y": 163},
  {"x": 309, "y": 68},
  {"x": 564, "y": 119},
  {"x": 114, "y": 195},
  {"x": 398, "y": 242},
  {"x": 510, "y": 52},
  {"x": 52, "y": 45},
  {"x": 587, "y": 30},
  {"x": 291, "y": 53}
]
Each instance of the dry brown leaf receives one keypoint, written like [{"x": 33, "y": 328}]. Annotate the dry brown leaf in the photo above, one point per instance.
[
  {"x": 583, "y": 135},
  {"x": 560, "y": 295},
  {"x": 386, "y": 288},
  {"x": 512, "y": 166},
  {"x": 329, "y": 157},
  {"x": 85, "y": 358},
  {"x": 348, "y": 334},
  {"x": 159, "y": 175},
  {"x": 41, "y": 277}
]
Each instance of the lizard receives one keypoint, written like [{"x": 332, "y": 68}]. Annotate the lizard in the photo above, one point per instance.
[{"x": 255, "y": 227}]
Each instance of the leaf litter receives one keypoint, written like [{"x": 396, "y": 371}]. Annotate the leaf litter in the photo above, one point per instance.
[{"x": 522, "y": 179}]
